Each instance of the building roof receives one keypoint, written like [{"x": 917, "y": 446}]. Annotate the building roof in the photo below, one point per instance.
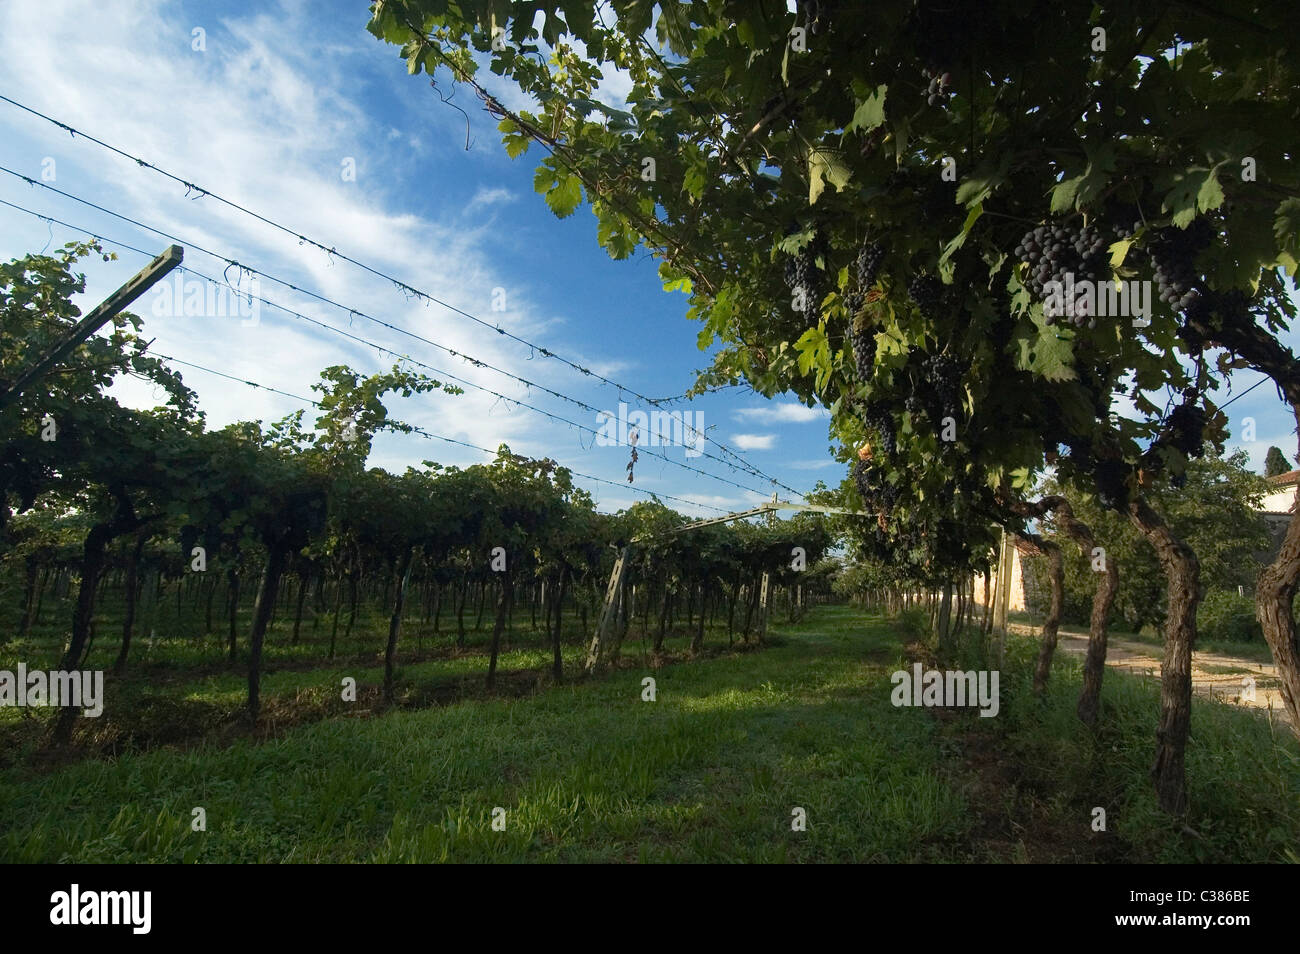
[{"x": 1285, "y": 480}]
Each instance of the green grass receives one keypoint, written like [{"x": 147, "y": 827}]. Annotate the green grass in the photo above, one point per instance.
[
  {"x": 711, "y": 771},
  {"x": 1243, "y": 771}
]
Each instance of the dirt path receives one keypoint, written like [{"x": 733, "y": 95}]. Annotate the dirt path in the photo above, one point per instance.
[{"x": 1228, "y": 679}]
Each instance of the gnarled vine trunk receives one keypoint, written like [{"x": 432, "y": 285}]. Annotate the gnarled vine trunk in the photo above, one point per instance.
[
  {"x": 1094, "y": 664},
  {"x": 275, "y": 560},
  {"x": 1031, "y": 544},
  {"x": 497, "y": 628},
  {"x": 697, "y": 641},
  {"x": 557, "y": 658},
  {"x": 1274, "y": 597},
  {"x": 943, "y": 620},
  {"x": 92, "y": 565},
  {"x": 234, "y": 608},
  {"x": 395, "y": 623},
  {"x": 93, "y": 556},
  {"x": 132, "y": 594},
  {"x": 304, "y": 580},
  {"x": 1182, "y": 571},
  {"x": 29, "y": 601},
  {"x": 663, "y": 621}
]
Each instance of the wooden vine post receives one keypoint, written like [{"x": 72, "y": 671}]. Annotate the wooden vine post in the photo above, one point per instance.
[{"x": 607, "y": 623}]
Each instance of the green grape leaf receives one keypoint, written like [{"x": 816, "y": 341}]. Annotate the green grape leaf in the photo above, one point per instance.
[
  {"x": 825, "y": 166},
  {"x": 870, "y": 112},
  {"x": 1078, "y": 192},
  {"x": 1191, "y": 190},
  {"x": 1286, "y": 227},
  {"x": 1050, "y": 353}
]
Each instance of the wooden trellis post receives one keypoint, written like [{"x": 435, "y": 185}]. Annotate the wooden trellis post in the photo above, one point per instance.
[
  {"x": 95, "y": 319},
  {"x": 607, "y": 623},
  {"x": 1002, "y": 595},
  {"x": 762, "y": 608},
  {"x": 624, "y": 609}
]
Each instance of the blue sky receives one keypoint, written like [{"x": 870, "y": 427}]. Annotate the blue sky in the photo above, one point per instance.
[{"x": 268, "y": 115}]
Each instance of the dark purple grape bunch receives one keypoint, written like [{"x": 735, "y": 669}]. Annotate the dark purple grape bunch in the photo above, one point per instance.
[
  {"x": 1111, "y": 478},
  {"x": 1186, "y": 428},
  {"x": 792, "y": 272},
  {"x": 1213, "y": 310},
  {"x": 865, "y": 268},
  {"x": 1055, "y": 251},
  {"x": 926, "y": 292},
  {"x": 943, "y": 372},
  {"x": 867, "y": 265},
  {"x": 940, "y": 89},
  {"x": 861, "y": 477},
  {"x": 876, "y": 492},
  {"x": 802, "y": 274},
  {"x": 1173, "y": 254},
  {"x": 882, "y": 422},
  {"x": 863, "y": 343},
  {"x": 1199, "y": 313}
]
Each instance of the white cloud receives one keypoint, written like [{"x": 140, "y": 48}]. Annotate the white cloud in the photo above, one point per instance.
[
  {"x": 614, "y": 87},
  {"x": 753, "y": 441},
  {"x": 783, "y": 412},
  {"x": 491, "y": 196}
]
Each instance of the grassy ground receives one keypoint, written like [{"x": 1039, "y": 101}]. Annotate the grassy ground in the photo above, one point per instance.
[
  {"x": 1243, "y": 773},
  {"x": 710, "y": 771}
]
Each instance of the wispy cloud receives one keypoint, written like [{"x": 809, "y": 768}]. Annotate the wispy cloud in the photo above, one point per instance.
[
  {"x": 753, "y": 441},
  {"x": 782, "y": 412},
  {"x": 490, "y": 196}
]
